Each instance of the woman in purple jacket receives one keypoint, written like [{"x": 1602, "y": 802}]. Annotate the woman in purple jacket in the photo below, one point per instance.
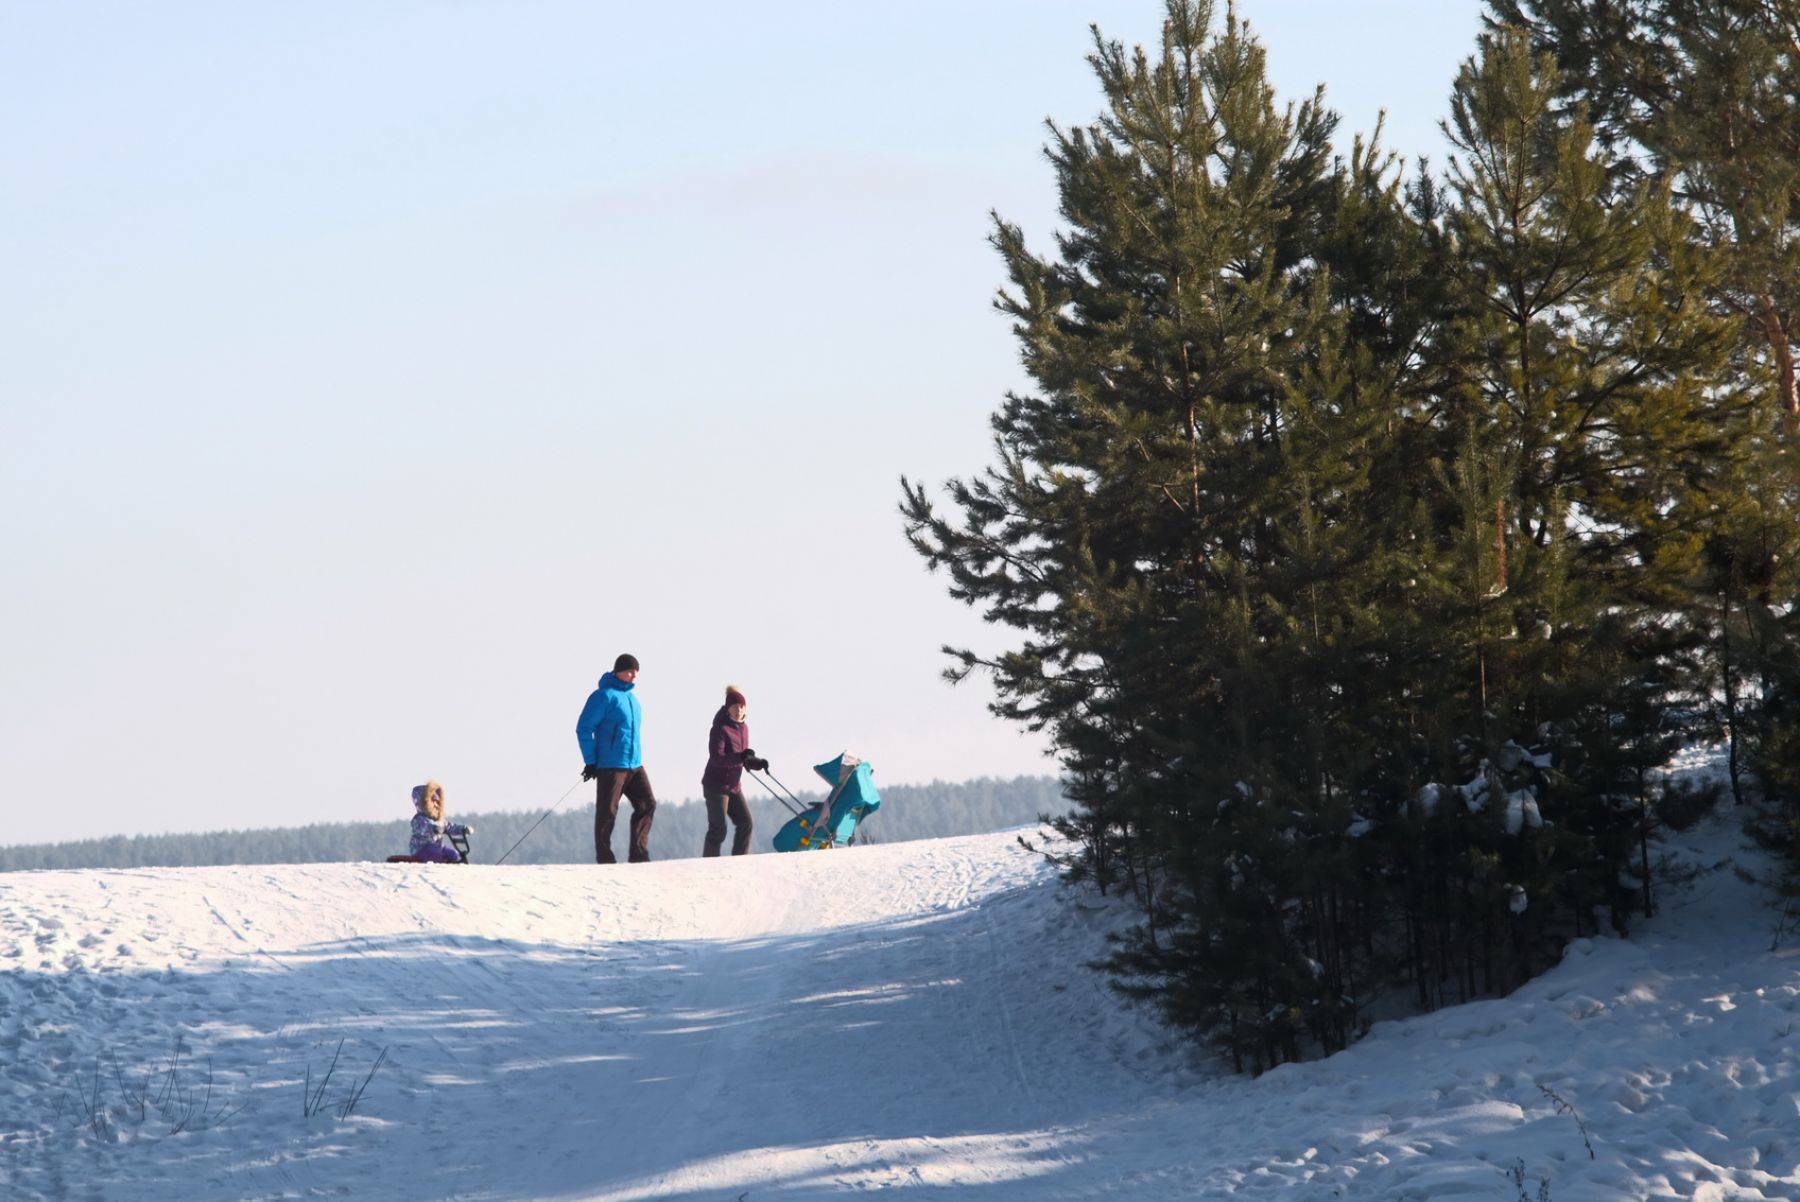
[{"x": 727, "y": 755}]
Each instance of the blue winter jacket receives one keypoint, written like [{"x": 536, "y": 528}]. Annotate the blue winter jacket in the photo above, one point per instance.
[{"x": 609, "y": 726}]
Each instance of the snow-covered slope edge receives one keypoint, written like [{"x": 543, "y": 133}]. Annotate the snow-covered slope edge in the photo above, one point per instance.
[{"x": 911, "y": 1016}]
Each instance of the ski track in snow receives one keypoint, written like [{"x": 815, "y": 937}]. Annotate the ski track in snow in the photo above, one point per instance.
[{"x": 909, "y": 1017}]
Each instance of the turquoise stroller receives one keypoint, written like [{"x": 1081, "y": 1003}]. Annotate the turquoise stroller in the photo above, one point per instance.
[{"x": 834, "y": 821}]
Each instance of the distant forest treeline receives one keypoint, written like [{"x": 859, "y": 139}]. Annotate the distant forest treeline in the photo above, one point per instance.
[{"x": 566, "y": 837}]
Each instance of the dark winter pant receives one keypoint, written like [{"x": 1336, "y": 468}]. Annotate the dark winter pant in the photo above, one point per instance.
[
  {"x": 718, "y": 806},
  {"x": 634, "y": 785}
]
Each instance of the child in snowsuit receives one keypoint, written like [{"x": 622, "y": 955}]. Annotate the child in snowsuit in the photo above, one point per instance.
[
  {"x": 429, "y": 830},
  {"x": 728, "y": 753}
]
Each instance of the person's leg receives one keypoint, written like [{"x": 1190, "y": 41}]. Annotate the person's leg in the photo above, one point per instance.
[
  {"x": 440, "y": 853},
  {"x": 607, "y": 788},
  {"x": 643, "y": 812},
  {"x": 715, "y": 823},
  {"x": 740, "y": 818}
]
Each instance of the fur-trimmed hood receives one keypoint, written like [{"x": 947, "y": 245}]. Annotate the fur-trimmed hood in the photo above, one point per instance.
[{"x": 423, "y": 795}]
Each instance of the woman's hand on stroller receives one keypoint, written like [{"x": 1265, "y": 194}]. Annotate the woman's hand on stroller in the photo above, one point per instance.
[{"x": 755, "y": 763}]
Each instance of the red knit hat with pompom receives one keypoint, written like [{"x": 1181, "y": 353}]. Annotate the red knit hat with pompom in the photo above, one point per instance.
[{"x": 734, "y": 695}]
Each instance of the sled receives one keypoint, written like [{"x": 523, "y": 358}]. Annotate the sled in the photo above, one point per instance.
[
  {"x": 833, "y": 822},
  {"x": 459, "y": 842}
]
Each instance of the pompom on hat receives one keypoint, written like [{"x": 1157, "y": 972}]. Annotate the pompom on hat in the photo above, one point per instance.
[{"x": 734, "y": 695}]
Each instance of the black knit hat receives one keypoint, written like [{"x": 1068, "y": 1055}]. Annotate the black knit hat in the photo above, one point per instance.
[{"x": 625, "y": 663}]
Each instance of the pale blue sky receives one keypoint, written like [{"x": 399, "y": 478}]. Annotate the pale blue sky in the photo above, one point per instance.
[{"x": 370, "y": 375}]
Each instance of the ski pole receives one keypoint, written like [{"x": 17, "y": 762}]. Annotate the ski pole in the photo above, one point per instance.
[{"x": 538, "y": 823}]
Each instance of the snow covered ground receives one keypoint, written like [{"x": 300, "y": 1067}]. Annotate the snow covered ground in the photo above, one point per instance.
[{"x": 911, "y": 1017}]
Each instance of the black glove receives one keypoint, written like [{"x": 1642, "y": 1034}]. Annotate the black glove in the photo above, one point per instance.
[
  {"x": 590, "y": 771},
  {"x": 755, "y": 764}
]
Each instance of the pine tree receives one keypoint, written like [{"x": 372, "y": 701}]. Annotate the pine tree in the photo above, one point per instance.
[
  {"x": 1705, "y": 95},
  {"x": 1170, "y": 524},
  {"x": 1350, "y": 532},
  {"x": 1588, "y": 427}
]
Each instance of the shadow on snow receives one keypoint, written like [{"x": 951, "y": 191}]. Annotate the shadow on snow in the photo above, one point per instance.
[{"x": 863, "y": 1056}]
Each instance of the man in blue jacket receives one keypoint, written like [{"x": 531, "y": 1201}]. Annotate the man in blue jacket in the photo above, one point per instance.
[{"x": 613, "y": 755}]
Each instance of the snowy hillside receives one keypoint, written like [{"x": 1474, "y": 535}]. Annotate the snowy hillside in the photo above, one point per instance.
[{"x": 906, "y": 1017}]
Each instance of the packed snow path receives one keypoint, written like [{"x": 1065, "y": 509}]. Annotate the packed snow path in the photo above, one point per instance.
[{"x": 911, "y": 1017}]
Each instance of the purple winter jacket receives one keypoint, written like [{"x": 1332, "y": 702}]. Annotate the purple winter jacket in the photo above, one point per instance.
[
  {"x": 432, "y": 834},
  {"x": 726, "y": 748}
]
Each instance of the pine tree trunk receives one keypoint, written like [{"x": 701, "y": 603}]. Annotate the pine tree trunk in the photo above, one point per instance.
[
  {"x": 1770, "y": 319},
  {"x": 1728, "y": 682},
  {"x": 1500, "y": 545}
]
